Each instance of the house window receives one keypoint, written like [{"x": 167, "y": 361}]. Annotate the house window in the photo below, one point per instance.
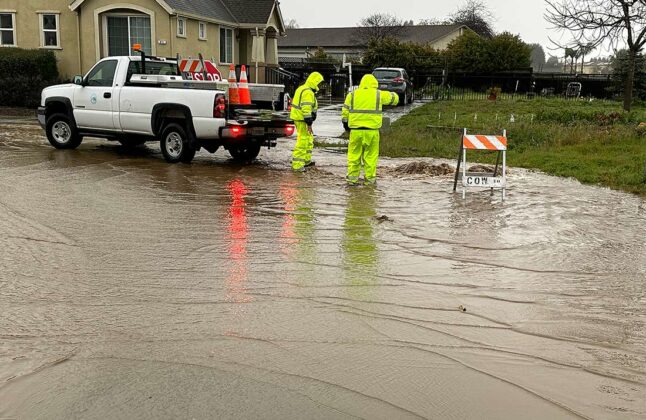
[
  {"x": 202, "y": 30},
  {"x": 49, "y": 30},
  {"x": 181, "y": 27},
  {"x": 226, "y": 45},
  {"x": 7, "y": 29},
  {"x": 125, "y": 31}
]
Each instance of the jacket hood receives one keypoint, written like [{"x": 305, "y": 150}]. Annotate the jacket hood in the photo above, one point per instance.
[
  {"x": 314, "y": 80},
  {"x": 369, "y": 82}
]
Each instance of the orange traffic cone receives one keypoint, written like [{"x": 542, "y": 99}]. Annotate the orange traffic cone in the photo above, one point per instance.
[
  {"x": 234, "y": 94},
  {"x": 245, "y": 95}
]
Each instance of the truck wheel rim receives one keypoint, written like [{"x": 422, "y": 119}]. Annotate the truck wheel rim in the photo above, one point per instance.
[
  {"x": 61, "y": 132},
  {"x": 174, "y": 145}
]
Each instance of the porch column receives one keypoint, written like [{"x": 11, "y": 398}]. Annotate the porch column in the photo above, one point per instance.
[
  {"x": 272, "y": 48},
  {"x": 258, "y": 55}
]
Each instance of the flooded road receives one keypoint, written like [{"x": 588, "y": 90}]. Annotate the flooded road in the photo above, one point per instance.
[{"x": 130, "y": 288}]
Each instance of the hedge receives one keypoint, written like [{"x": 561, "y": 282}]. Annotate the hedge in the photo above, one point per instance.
[{"x": 24, "y": 74}]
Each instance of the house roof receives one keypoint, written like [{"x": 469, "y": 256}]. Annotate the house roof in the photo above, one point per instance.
[
  {"x": 346, "y": 37},
  {"x": 251, "y": 11},
  {"x": 234, "y": 11},
  {"x": 214, "y": 9}
]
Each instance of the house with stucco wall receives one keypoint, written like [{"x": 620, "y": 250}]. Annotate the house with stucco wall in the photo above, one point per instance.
[{"x": 81, "y": 32}]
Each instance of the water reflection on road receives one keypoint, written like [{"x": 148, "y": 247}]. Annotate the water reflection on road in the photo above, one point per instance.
[
  {"x": 359, "y": 247},
  {"x": 133, "y": 288}
]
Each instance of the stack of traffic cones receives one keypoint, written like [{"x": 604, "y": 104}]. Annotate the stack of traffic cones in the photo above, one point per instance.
[
  {"x": 243, "y": 88},
  {"x": 234, "y": 94}
]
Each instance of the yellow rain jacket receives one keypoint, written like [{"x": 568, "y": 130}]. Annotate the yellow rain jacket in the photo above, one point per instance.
[
  {"x": 362, "y": 112},
  {"x": 363, "y": 107},
  {"x": 305, "y": 105}
]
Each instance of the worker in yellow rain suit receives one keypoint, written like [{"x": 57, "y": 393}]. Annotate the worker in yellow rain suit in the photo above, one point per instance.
[
  {"x": 304, "y": 109},
  {"x": 362, "y": 114}
]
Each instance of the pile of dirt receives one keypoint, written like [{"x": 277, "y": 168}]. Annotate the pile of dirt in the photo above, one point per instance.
[
  {"x": 423, "y": 168},
  {"x": 481, "y": 168}
]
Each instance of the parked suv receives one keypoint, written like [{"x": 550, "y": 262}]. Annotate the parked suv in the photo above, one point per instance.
[{"x": 396, "y": 80}]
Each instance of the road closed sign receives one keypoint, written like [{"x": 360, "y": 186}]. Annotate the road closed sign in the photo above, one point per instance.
[{"x": 194, "y": 69}]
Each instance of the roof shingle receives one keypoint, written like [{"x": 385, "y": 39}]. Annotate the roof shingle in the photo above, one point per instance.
[
  {"x": 251, "y": 11},
  {"x": 214, "y": 9}
]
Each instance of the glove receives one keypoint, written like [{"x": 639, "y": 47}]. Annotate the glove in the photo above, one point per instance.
[
  {"x": 309, "y": 121},
  {"x": 314, "y": 115},
  {"x": 346, "y": 126}
]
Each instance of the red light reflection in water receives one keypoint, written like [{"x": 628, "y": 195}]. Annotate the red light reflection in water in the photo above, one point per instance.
[{"x": 238, "y": 231}]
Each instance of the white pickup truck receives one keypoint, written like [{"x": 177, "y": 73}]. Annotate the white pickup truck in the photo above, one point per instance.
[{"x": 137, "y": 99}]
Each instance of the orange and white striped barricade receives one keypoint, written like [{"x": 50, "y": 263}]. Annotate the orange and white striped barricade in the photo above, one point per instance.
[
  {"x": 482, "y": 180},
  {"x": 199, "y": 69}
]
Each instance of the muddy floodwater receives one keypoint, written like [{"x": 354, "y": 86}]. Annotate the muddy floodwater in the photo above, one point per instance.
[{"x": 131, "y": 288}]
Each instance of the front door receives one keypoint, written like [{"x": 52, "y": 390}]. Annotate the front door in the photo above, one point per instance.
[{"x": 93, "y": 102}]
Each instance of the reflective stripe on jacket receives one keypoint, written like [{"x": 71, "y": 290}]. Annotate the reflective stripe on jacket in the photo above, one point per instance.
[{"x": 363, "y": 107}]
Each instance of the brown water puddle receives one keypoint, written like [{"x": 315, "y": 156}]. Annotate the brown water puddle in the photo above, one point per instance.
[{"x": 134, "y": 288}]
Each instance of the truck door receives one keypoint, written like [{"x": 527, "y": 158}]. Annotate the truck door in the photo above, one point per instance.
[{"x": 93, "y": 101}]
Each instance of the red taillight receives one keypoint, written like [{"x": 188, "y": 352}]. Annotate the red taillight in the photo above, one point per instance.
[
  {"x": 236, "y": 131},
  {"x": 399, "y": 80},
  {"x": 289, "y": 130},
  {"x": 220, "y": 107},
  {"x": 289, "y": 104}
]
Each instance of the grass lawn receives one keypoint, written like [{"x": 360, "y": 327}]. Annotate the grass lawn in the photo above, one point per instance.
[{"x": 594, "y": 142}]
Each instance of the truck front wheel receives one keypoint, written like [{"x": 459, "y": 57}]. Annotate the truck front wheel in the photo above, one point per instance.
[
  {"x": 245, "y": 153},
  {"x": 175, "y": 144},
  {"x": 61, "y": 132}
]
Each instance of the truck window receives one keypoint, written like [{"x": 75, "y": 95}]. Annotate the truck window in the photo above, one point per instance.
[
  {"x": 152, "y": 67},
  {"x": 102, "y": 74}
]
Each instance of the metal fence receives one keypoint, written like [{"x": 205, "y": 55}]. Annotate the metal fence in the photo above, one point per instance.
[{"x": 440, "y": 84}]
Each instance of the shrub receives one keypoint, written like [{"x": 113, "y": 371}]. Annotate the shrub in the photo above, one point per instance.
[{"x": 24, "y": 74}]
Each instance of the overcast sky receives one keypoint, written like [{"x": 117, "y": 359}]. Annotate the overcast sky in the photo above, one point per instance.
[{"x": 522, "y": 17}]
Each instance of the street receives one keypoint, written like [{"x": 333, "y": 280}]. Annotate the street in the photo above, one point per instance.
[{"x": 132, "y": 288}]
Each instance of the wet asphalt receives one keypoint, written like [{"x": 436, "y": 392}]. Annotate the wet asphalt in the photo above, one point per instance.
[{"x": 131, "y": 288}]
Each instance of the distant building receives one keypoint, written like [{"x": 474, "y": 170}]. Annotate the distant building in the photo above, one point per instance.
[
  {"x": 301, "y": 43},
  {"x": 80, "y": 32}
]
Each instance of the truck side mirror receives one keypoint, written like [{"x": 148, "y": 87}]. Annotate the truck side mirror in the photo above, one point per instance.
[{"x": 78, "y": 80}]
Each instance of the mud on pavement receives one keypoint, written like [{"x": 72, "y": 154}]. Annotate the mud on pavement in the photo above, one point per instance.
[{"x": 134, "y": 288}]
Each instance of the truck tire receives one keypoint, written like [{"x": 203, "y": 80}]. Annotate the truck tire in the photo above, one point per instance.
[
  {"x": 245, "y": 153},
  {"x": 62, "y": 133},
  {"x": 175, "y": 144}
]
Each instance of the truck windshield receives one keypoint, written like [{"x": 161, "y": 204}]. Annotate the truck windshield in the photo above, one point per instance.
[
  {"x": 153, "y": 67},
  {"x": 386, "y": 74}
]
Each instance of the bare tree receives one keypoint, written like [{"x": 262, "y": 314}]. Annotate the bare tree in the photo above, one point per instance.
[
  {"x": 477, "y": 16},
  {"x": 292, "y": 24},
  {"x": 597, "y": 22},
  {"x": 432, "y": 21},
  {"x": 378, "y": 27}
]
